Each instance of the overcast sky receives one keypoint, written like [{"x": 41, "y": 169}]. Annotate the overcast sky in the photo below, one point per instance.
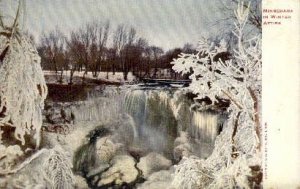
[{"x": 165, "y": 23}]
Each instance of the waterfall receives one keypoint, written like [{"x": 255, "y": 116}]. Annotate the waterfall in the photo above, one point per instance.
[
  {"x": 134, "y": 128},
  {"x": 135, "y": 105},
  {"x": 103, "y": 107},
  {"x": 204, "y": 126},
  {"x": 142, "y": 121},
  {"x": 155, "y": 116}
]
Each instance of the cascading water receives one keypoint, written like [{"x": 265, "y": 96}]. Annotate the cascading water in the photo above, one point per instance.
[
  {"x": 156, "y": 116},
  {"x": 160, "y": 115},
  {"x": 204, "y": 126},
  {"x": 135, "y": 105},
  {"x": 102, "y": 106}
]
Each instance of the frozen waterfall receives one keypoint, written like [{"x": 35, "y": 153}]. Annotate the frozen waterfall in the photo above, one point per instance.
[{"x": 156, "y": 116}]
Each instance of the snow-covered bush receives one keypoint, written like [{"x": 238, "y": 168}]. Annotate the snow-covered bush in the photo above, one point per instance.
[
  {"x": 238, "y": 80},
  {"x": 57, "y": 169},
  {"x": 8, "y": 157},
  {"x": 190, "y": 174},
  {"x": 48, "y": 168}
]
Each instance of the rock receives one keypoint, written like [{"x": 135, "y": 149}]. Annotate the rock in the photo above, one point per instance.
[
  {"x": 56, "y": 113},
  {"x": 53, "y": 116},
  {"x": 183, "y": 138},
  {"x": 106, "y": 149},
  {"x": 3, "y": 182},
  {"x": 136, "y": 152},
  {"x": 63, "y": 129},
  {"x": 98, "y": 170},
  {"x": 182, "y": 147},
  {"x": 161, "y": 179},
  {"x": 153, "y": 162},
  {"x": 80, "y": 182},
  {"x": 182, "y": 150},
  {"x": 122, "y": 171}
]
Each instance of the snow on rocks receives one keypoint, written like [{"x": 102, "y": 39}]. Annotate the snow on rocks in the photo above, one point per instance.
[
  {"x": 117, "y": 77},
  {"x": 56, "y": 113},
  {"x": 80, "y": 182},
  {"x": 105, "y": 149},
  {"x": 122, "y": 171},
  {"x": 182, "y": 147},
  {"x": 98, "y": 170},
  {"x": 160, "y": 179},
  {"x": 153, "y": 162}
]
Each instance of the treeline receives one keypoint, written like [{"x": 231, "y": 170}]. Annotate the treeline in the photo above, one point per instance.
[{"x": 97, "y": 48}]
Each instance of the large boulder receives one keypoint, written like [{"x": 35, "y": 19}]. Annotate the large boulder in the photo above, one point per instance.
[
  {"x": 58, "y": 113},
  {"x": 106, "y": 149},
  {"x": 122, "y": 171},
  {"x": 153, "y": 162},
  {"x": 182, "y": 150},
  {"x": 80, "y": 182}
]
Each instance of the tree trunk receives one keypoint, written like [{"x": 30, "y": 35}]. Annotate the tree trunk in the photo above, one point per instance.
[
  {"x": 61, "y": 76},
  {"x": 125, "y": 75},
  {"x": 71, "y": 76},
  {"x": 256, "y": 115},
  {"x": 114, "y": 69},
  {"x": 235, "y": 126}
]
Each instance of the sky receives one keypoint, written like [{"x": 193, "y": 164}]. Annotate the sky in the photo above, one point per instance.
[{"x": 164, "y": 23}]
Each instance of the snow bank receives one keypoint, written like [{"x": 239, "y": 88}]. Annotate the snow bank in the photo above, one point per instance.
[{"x": 118, "y": 77}]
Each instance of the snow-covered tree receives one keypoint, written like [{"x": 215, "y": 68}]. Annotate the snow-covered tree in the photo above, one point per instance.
[
  {"x": 237, "y": 148},
  {"x": 22, "y": 84},
  {"x": 22, "y": 92}
]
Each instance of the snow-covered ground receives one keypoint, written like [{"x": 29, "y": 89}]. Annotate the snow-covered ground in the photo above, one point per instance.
[{"x": 115, "y": 78}]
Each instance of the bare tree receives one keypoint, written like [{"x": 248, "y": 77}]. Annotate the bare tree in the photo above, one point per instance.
[
  {"x": 111, "y": 58},
  {"x": 147, "y": 62},
  {"x": 120, "y": 41},
  {"x": 92, "y": 49},
  {"x": 140, "y": 57},
  {"x": 103, "y": 34},
  {"x": 156, "y": 52},
  {"x": 54, "y": 45},
  {"x": 131, "y": 36},
  {"x": 76, "y": 54},
  {"x": 87, "y": 38},
  {"x": 87, "y": 48},
  {"x": 129, "y": 52}
]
